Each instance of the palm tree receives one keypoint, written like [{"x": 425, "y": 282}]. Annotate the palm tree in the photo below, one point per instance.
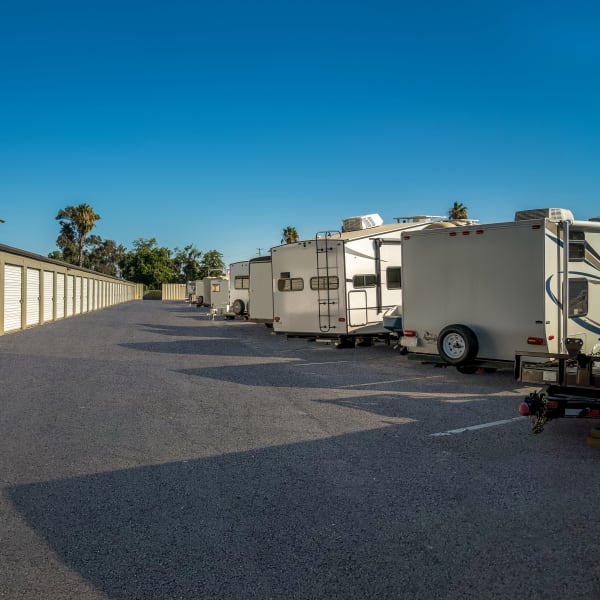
[
  {"x": 289, "y": 235},
  {"x": 458, "y": 212},
  {"x": 81, "y": 219}
]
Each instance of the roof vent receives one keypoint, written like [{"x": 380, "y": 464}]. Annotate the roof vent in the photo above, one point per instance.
[
  {"x": 553, "y": 214},
  {"x": 363, "y": 222}
]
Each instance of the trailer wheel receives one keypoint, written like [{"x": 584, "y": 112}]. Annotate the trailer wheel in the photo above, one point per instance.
[
  {"x": 457, "y": 344},
  {"x": 237, "y": 308},
  {"x": 346, "y": 341}
]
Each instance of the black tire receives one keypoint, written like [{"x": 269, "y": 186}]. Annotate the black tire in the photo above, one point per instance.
[
  {"x": 238, "y": 307},
  {"x": 200, "y": 301},
  {"x": 457, "y": 345},
  {"x": 466, "y": 369},
  {"x": 346, "y": 342},
  {"x": 269, "y": 325}
]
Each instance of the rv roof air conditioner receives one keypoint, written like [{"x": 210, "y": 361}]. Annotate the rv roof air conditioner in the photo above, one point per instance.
[
  {"x": 554, "y": 214},
  {"x": 362, "y": 222}
]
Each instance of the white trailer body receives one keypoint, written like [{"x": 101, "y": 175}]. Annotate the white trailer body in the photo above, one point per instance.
[
  {"x": 260, "y": 293},
  {"x": 338, "y": 285},
  {"x": 476, "y": 295},
  {"x": 219, "y": 293},
  {"x": 239, "y": 285}
]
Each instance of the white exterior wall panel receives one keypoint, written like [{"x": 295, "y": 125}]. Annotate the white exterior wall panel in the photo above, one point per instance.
[
  {"x": 60, "y": 295},
  {"x": 32, "y": 309},
  {"x": 69, "y": 296},
  {"x": 48, "y": 292},
  {"x": 12, "y": 297}
]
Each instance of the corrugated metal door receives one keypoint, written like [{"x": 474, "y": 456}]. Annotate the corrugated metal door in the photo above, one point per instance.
[
  {"x": 77, "y": 295},
  {"x": 12, "y": 297},
  {"x": 60, "y": 295},
  {"x": 32, "y": 309},
  {"x": 48, "y": 295},
  {"x": 84, "y": 294},
  {"x": 69, "y": 295}
]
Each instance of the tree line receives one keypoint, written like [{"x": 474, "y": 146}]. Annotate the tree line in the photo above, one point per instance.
[{"x": 147, "y": 263}]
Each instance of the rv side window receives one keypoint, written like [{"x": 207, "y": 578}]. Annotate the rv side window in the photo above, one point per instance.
[
  {"x": 295, "y": 284},
  {"x": 578, "y": 297},
  {"x": 241, "y": 282},
  {"x": 394, "y": 281},
  {"x": 364, "y": 281},
  {"x": 324, "y": 283},
  {"x": 576, "y": 245},
  {"x": 216, "y": 287}
]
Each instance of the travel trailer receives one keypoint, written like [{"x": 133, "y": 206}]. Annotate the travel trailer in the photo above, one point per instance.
[
  {"x": 212, "y": 292},
  {"x": 474, "y": 296},
  {"x": 338, "y": 285},
  {"x": 239, "y": 284},
  {"x": 260, "y": 292}
]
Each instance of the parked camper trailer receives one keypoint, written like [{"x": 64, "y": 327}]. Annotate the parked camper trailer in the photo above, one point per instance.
[
  {"x": 477, "y": 295},
  {"x": 239, "y": 284},
  {"x": 339, "y": 285},
  {"x": 260, "y": 293},
  {"x": 212, "y": 291}
]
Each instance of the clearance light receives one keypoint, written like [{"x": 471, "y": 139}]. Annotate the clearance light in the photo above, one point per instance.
[
  {"x": 409, "y": 333},
  {"x": 453, "y": 234},
  {"x": 466, "y": 232},
  {"x": 341, "y": 319},
  {"x": 479, "y": 231},
  {"x": 535, "y": 341},
  {"x": 277, "y": 319},
  {"x": 550, "y": 337},
  {"x": 536, "y": 227},
  {"x": 406, "y": 237}
]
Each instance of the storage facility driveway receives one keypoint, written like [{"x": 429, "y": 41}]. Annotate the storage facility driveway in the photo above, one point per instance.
[{"x": 149, "y": 452}]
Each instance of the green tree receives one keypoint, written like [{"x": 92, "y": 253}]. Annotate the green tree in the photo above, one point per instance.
[
  {"x": 149, "y": 264},
  {"x": 212, "y": 264},
  {"x": 187, "y": 263},
  {"x": 458, "y": 212},
  {"x": 289, "y": 235},
  {"x": 76, "y": 223},
  {"x": 104, "y": 256}
]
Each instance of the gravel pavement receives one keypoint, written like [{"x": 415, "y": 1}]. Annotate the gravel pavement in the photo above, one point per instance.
[{"x": 149, "y": 452}]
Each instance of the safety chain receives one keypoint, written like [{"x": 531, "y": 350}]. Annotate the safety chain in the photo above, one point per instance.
[{"x": 538, "y": 419}]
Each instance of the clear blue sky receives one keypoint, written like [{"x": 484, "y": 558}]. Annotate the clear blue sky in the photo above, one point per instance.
[{"x": 219, "y": 123}]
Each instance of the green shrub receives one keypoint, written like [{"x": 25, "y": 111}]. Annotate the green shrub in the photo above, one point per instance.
[{"x": 153, "y": 295}]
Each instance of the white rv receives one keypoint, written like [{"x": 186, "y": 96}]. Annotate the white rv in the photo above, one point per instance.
[
  {"x": 239, "y": 285},
  {"x": 260, "y": 293},
  {"x": 339, "y": 284},
  {"x": 476, "y": 295}
]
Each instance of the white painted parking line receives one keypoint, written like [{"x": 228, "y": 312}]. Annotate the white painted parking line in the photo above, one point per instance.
[
  {"x": 333, "y": 362},
  {"x": 389, "y": 381},
  {"x": 475, "y": 427}
]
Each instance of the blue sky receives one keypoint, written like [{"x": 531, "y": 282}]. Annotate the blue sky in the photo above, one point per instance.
[{"x": 219, "y": 123}]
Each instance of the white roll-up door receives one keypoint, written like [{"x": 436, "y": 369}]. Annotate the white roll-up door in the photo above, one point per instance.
[
  {"x": 84, "y": 294},
  {"x": 48, "y": 296},
  {"x": 69, "y": 295},
  {"x": 32, "y": 310},
  {"x": 12, "y": 297},
  {"x": 77, "y": 295},
  {"x": 60, "y": 295}
]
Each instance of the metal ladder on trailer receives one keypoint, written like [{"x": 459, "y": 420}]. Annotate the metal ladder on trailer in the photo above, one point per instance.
[{"x": 327, "y": 268}]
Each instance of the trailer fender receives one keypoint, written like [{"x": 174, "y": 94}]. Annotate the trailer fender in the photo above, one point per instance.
[{"x": 457, "y": 344}]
